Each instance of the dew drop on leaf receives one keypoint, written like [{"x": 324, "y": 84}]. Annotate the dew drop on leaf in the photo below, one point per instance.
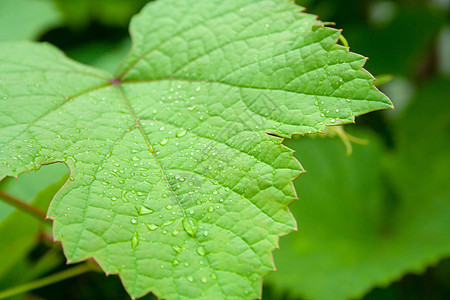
[
  {"x": 145, "y": 211},
  {"x": 177, "y": 248},
  {"x": 164, "y": 141},
  {"x": 168, "y": 222},
  {"x": 135, "y": 240},
  {"x": 201, "y": 251},
  {"x": 190, "y": 226},
  {"x": 125, "y": 195},
  {"x": 151, "y": 227},
  {"x": 181, "y": 132}
]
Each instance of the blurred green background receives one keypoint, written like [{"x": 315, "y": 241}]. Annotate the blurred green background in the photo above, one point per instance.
[{"x": 373, "y": 225}]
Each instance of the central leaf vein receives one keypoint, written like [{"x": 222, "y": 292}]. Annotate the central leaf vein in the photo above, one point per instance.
[{"x": 152, "y": 151}]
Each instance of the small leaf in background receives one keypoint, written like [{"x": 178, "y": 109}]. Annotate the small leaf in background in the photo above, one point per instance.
[
  {"x": 173, "y": 173},
  {"x": 29, "y": 185},
  {"x": 27, "y": 19},
  {"x": 109, "y": 12},
  {"x": 18, "y": 230}
]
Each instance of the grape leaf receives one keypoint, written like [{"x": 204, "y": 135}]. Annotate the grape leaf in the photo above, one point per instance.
[
  {"x": 175, "y": 184},
  {"x": 376, "y": 220}
]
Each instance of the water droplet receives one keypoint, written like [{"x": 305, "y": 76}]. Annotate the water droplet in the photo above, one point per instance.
[
  {"x": 169, "y": 207},
  {"x": 201, "y": 251},
  {"x": 164, "y": 141},
  {"x": 124, "y": 196},
  {"x": 162, "y": 128},
  {"x": 133, "y": 221},
  {"x": 213, "y": 276},
  {"x": 332, "y": 120},
  {"x": 181, "y": 132},
  {"x": 144, "y": 210},
  {"x": 175, "y": 232},
  {"x": 197, "y": 88},
  {"x": 175, "y": 263},
  {"x": 205, "y": 233},
  {"x": 168, "y": 222},
  {"x": 190, "y": 226},
  {"x": 152, "y": 227},
  {"x": 177, "y": 248},
  {"x": 135, "y": 240},
  {"x": 215, "y": 192},
  {"x": 211, "y": 209},
  {"x": 190, "y": 278},
  {"x": 191, "y": 211},
  {"x": 204, "y": 279}
]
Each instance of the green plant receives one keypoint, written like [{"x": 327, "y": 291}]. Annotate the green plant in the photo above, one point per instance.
[{"x": 179, "y": 181}]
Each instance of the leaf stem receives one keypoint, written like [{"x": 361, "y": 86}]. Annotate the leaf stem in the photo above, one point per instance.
[
  {"x": 25, "y": 207},
  {"x": 63, "y": 275}
]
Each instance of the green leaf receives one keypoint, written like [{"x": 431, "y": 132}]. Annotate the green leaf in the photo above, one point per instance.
[
  {"x": 366, "y": 221},
  {"x": 175, "y": 184},
  {"x": 109, "y": 12},
  {"x": 26, "y": 19},
  {"x": 19, "y": 230},
  {"x": 29, "y": 185}
]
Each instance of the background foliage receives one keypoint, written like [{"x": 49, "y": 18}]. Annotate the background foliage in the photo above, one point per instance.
[{"x": 373, "y": 225}]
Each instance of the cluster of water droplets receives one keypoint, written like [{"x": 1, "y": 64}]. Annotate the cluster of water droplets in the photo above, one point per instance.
[{"x": 334, "y": 113}]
